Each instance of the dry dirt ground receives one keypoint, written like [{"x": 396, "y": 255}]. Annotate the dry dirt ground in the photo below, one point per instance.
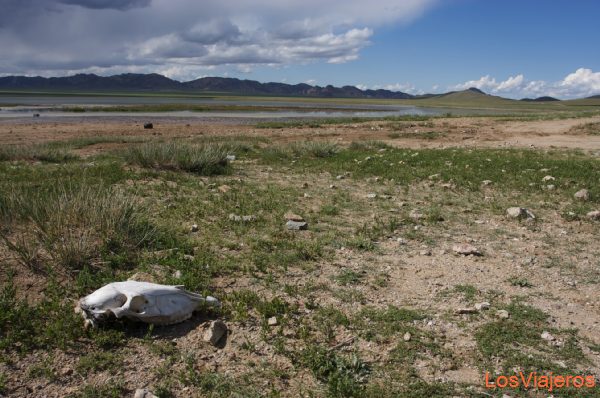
[
  {"x": 550, "y": 264},
  {"x": 463, "y": 131}
]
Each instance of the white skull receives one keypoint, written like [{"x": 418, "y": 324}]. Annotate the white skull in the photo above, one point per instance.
[{"x": 142, "y": 301}]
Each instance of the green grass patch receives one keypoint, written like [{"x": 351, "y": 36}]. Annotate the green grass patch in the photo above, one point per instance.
[
  {"x": 38, "y": 152},
  {"x": 210, "y": 159}
]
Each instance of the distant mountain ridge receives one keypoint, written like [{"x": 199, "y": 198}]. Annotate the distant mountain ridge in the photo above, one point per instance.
[
  {"x": 540, "y": 99},
  {"x": 154, "y": 81}
]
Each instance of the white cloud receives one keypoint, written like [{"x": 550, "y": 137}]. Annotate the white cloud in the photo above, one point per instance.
[
  {"x": 581, "y": 83},
  {"x": 511, "y": 83},
  {"x": 112, "y": 34}
]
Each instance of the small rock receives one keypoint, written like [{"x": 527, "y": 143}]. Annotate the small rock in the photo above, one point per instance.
[
  {"x": 306, "y": 195},
  {"x": 466, "y": 249},
  {"x": 177, "y": 274},
  {"x": 340, "y": 177},
  {"x": 466, "y": 311},
  {"x": 188, "y": 257},
  {"x": 416, "y": 215},
  {"x": 289, "y": 216},
  {"x": 332, "y": 186},
  {"x": 547, "y": 336},
  {"x": 230, "y": 158},
  {"x": 407, "y": 336},
  {"x": 548, "y": 178},
  {"x": 248, "y": 218},
  {"x": 425, "y": 252},
  {"x": 224, "y": 188},
  {"x": 148, "y": 126},
  {"x": 296, "y": 225},
  {"x": 143, "y": 393},
  {"x": 551, "y": 187},
  {"x": 401, "y": 241},
  {"x": 235, "y": 217},
  {"x": 520, "y": 213},
  {"x": 215, "y": 332},
  {"x": 66, "y": 371},
  {"x": 486, "y": 182},
  {"x": 194, "y": 228},
  {"x": 502, "y": 314},
  {"x": 272, "y": 321},
  {"x": 583, "y": 195},
  {"x": 171, "y": 184},
  {"x": 594, "y": 215},
  {"x": 482, "y": 306},
  {"x": 371, "y": 196}
]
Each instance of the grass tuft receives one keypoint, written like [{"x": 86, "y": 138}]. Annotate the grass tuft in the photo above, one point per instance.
[{"x": 207, "y": 159}]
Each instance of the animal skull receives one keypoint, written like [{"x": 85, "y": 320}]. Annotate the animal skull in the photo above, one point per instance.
[{"x": 142, "y": 301}]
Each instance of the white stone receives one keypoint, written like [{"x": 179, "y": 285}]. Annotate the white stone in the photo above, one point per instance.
[
  {"x": 583, "y": 195},
  {"x": 215, "y": 332}
]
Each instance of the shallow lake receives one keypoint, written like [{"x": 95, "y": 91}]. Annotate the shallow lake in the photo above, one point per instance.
[{"x": 49, "y": 106}]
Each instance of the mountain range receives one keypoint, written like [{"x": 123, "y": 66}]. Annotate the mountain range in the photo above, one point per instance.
[
  {"x": 153, "y": 81},
  {"x": 156, "y": 82}
]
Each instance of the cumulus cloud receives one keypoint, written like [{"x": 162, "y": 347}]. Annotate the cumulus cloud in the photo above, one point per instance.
[
  {"x": 581, "y": 83},
  {"x": 188, "y": 36}
]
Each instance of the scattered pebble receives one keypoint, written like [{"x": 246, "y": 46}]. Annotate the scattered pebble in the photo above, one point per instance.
[
  {"x": 237, "y": 218},
  {"x": 371, "y": 196},
  {"x": 407, "y": 336},
  {"x": 425, "y": 252},
  {"x": 486, "y": 182},
  {"x": 547, "y": 336},
  {"x": 215, "y": 332},
  {"x": 296, "y": 225},
  {"x": 583, "y": 195},
  {"x": 502, "y": 314},
  {"x": 466, "y": 249},
  {"x": 548, "y": 178},
  {"x": 594, "y": 215},
  {"x": 520, "y": 213},
  {"x": 230, "y": 158},
  {"x": 194, "y": 228},
  {"x": 224, "y": 188},
  {"x": 143, "y": 393},
  {"x": 188, "y": 257},
  {"x": 272, "y": 321},
  {"x": 551, "y": 187},
  {"x": 482, "y": 306}
]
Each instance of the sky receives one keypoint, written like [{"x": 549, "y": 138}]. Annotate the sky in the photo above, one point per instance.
[{"x": 512, "y": 48}]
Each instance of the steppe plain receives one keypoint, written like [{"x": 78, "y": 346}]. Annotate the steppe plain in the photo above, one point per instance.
[{"x": 377, "y": 298}]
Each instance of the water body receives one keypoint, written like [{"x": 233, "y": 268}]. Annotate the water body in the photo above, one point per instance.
[{"x": 49, "y": 106}]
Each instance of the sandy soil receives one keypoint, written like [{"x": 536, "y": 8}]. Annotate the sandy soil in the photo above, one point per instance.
[{"x": 464, "y": 131}]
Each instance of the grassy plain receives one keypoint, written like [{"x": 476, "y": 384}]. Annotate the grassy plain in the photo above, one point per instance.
[{"x": 366, "y": 300}]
